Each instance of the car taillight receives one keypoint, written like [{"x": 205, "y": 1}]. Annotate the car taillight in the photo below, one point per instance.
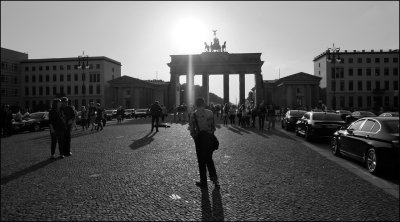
[{"x": 395, "y": 143}]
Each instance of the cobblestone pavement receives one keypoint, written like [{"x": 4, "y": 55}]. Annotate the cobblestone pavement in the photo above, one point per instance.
[{"x": 125, "y": 173}]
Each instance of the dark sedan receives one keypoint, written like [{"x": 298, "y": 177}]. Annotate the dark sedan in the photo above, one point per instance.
[
  {"x": 318, "y": 124},
  {"x": 372, "y": 140},
  {"x": 358, "y": 115},
  {"x": 290, "y": 118},
  {"x": 35, "y": 122}
]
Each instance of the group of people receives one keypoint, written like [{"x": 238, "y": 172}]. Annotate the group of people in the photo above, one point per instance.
[
  {"x": 93, "y": 116},
  {"x": 247, "y": 114}
]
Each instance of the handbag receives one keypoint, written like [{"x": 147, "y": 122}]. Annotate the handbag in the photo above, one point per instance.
[{"x": 209, "y": 138}]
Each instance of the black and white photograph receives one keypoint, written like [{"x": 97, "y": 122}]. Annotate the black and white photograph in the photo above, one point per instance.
[{"x": 200, "y": 111}]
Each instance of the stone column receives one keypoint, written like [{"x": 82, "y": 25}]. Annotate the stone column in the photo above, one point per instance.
[
  {"x": 226, "y": 88},
  {"x": 190, "y": 95},
  {"x": 206, "y": 88},
  {"x": 174, "y": 94},
  {"x": 259, "y": 88},
  {"x": 242, "y": 93}
]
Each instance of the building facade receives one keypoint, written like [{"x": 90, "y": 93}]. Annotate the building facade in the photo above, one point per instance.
[
  {"x": 10, "y": 77},
  {"x": 130, "y": 92},
  {"x": 300, "y": 90},
  {"x": 44, "y": 79},
  {"x": 363, "y": 80}
]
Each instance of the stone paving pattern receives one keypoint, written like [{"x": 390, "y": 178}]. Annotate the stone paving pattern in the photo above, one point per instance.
[{"x": 125, "y": 173}]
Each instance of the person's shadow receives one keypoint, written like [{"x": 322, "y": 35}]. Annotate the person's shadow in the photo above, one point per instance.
[
  {"x": 25, "y": 171},
  {"x": 214, "y": 213},
  {"x": 147, "y": 139}
]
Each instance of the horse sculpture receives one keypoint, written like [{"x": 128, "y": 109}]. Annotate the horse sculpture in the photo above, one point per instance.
[{"x": 206, "y": 47}]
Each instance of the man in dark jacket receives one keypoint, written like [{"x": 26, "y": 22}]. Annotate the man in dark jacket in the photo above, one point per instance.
[
  {"x": 69, "y": 117},
  {"x": 155, "y": 111}
]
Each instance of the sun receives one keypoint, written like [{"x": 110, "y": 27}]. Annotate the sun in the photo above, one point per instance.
[{"x": 189, "y": 35}]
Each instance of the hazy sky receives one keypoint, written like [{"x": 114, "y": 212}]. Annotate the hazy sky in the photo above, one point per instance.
[{"x": 142, "y": 35}]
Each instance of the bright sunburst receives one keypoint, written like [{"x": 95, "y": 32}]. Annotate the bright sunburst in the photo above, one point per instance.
[{"x": 189, "y": 35}]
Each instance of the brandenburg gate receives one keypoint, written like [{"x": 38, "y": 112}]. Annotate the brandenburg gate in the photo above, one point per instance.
[{"x": 214, "y": 61}]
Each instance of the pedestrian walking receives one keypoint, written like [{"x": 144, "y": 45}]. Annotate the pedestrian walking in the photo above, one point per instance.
[
  {"x": 271, "y": 117},
  {"x": 92, "y": 115},
  {"x": 232, "y": 113},
  {"x": 225, "y": 113},
  {"x": 84, "y": 118},
  {"x": 69, "y": 116},
  {"x": 202, "y": 128},
  {"x": 74, "y": 120},
  {"x": 99, "y": 117},
  {"x": 57, "y": 126},
  {"x": 261, "y": 115},
  {"x": 119, "y": 114},
  {"x": 155, "y": 111}
]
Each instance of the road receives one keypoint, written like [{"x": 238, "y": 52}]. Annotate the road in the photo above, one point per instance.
[{"x": 126, "y": 173}]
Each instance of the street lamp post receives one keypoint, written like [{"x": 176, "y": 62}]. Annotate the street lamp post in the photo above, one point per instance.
[
  {"x": 333, "y": 56},
  {"x": 83, "y": 63}
]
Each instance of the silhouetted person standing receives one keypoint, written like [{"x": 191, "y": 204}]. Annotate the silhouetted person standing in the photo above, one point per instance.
[
  {"x": 155, "y": 111},
  {"x": 202, "y": 128},
  {"x": 57, "y": 126},
  {"x": 69, "y": 115}
]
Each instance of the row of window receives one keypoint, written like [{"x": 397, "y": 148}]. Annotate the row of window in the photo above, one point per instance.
[
  {"x": 367, "y": 60},
  {"x": 339, "y": 71},
  {"x": 61, "y": 67},
  {"x": 341, "y": 100},
  {"x": 8, "y": 79},
  {"x": 47, "y": 103},
  {"x": 92, "y": 78},
  {"x": 351, "y": 87},
  {"x": 46, "y": 90},
  {"x": 13, "y": 67},
  {"x": 9, "y": 92}
]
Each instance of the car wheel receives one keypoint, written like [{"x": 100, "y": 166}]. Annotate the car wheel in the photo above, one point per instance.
[
  {"x": 36, "y": 128},
  {"x": 372, "y": 161},
  {"x": 335, "y": 146},
  {"x": 307, "y": 135}
]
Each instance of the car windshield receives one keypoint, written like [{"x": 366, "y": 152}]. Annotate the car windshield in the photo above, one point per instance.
[
  {"x": 392, "y": 126},
  {"x": 297, "y": 113},
  {"x": 365, "y": 113},
  {"x": 326, "y": 116},
  {"x": 109, "y": 111},
  {"x": 36, "y": 115}
]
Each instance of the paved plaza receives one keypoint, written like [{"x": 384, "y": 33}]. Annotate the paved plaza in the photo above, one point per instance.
[{"x": 126, "y": 173}]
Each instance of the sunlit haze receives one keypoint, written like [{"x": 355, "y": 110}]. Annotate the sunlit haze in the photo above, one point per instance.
[{"x": 143, "y": 35}]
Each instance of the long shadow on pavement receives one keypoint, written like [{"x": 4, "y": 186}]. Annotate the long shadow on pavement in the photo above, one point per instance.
[
  {"x": 214, "y": 213},
  {"x": 147, "y": 139},
  {"x": 25, "y": 171}
]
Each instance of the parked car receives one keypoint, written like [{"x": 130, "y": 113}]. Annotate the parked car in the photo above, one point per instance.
[
  {"x": 141, "y": 113},
  {"x": 318, "y": 124},
  {"x": 34, "y": 122},
  {"x": 290, "y": 118},
  {"x": 129, "y": 113},
  {"x": 109, "y": 114},
  {"x": 343, "y": 113},
  {"x": 358, "y": 115},
  {"x": 390, "y": 114},
  {"x": 372, "y": 140}
]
